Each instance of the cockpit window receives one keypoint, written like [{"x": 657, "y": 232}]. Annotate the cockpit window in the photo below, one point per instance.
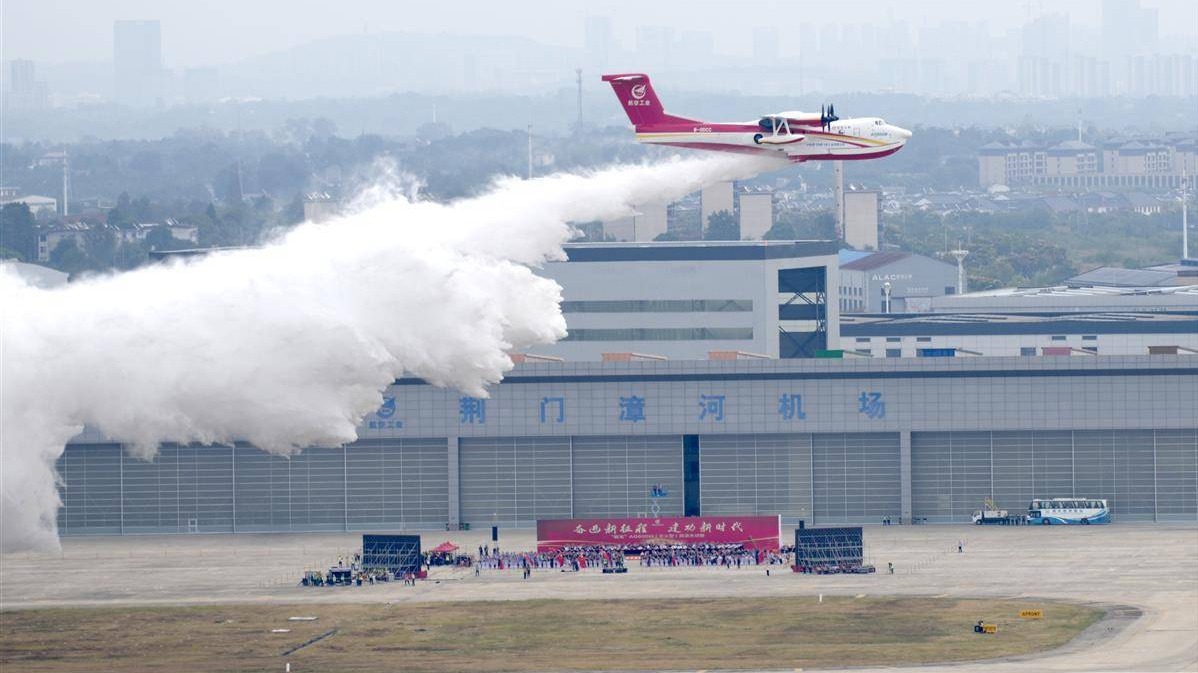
[{"x": 878, "y": 122}]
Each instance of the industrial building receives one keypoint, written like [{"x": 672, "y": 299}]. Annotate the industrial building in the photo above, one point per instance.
[
  {"x": 825, "y": 441},
  {"x": 1021, "y": 334},
  {"x": 1157, "y": 163},
  {"x": 892, "y": 282},
  {"x": 752, "y": 208},
  {"x": 683, "y": 300},
  {"x": 1065, "y": 299}
]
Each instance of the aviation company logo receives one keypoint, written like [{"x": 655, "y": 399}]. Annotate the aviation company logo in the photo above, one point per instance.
[
  {"x": 388, "y": 408},
  {"x": 638, "y": 91}
]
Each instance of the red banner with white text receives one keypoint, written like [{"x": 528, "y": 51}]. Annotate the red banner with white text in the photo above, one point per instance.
[{"x": 754, "y": 532}]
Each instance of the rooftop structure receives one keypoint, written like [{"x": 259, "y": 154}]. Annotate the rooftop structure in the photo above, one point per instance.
[{"x": 683, "y": 300}]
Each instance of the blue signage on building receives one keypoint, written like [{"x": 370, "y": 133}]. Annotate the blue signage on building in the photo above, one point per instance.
[
  {"x": 790, "y": 407},
  {"x": 472, "y": 410},
  {"x": 549, "y": 404},
  {"x": 632, "y": 409},
  {"x": 386, "y": 416},
  {"x": 711, "y": 405},
  {"x": 388, "y": 408},
  {"x": 871, "y": 405}
]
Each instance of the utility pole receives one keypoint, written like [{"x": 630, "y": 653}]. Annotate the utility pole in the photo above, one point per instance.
[
  {"x": 530, "y": 151},
  {"x": 1185, "y": 226},
  {"x": 838, "y": 196},
  {"x": 578, "y": 76},
  {"x": 66, "y": 184},
  {"x": 962, "y": 280}
]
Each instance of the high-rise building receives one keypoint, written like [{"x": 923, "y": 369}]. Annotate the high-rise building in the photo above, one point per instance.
[
  {"x": 597, "y": 40},
  {"x": 1128, "y": 30},
  {"x": 655, "y": 44},
  {"x": 1044, "y": 56},
  {"x": 765, "y": 45},
  {"x": 137, "y": 59},
  {"x": 25, "y": 92}
]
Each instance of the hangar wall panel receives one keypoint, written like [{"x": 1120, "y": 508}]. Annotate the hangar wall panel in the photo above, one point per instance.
[
  {"x": 262, "y": 484},
  {"x": 514, "y": 480},
  {"x": 756, "y": 474},
  {"x": 393, "y": 484},
  {"x": 614, "y": 475},
  {"x": 1177, "y": 474},
  {"x": 152, "y": 499},
  {"x": 318, "y": 490},
  {"x": 855, "y": 477},
  {"x": 1144, "y": 475},
  {"x": 91, "y": 489}
]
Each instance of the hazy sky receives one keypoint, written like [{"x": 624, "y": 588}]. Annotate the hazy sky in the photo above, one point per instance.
[{"x": 218, "y": 31}]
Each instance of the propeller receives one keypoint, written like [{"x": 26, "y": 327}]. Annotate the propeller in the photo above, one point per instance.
[{"x": 826, "y": 117}]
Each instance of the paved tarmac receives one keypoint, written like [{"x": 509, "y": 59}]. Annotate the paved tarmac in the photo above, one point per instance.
[{"x": 1149, "y": 568}]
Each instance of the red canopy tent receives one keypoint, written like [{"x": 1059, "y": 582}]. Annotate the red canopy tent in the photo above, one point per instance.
[{"x": 445, "y": 547}]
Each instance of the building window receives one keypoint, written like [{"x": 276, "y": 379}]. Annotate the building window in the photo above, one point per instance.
[
  {"x": 924, "y": 340},
  {"x": 663, "y": 334},
  {"x": 1028, "y": 351},
  {"x": 1091, "y": 349},
  {"x": 1090, "y": 337},
  {"x": 659, "y": 306},
  {"x": 894, "y": 340},
  {"x": 894, "y": 352},
  {"x": 863, "y": 340},
  {"x": 949, "y": 289},
  {"x": 1058, "y": 338}
]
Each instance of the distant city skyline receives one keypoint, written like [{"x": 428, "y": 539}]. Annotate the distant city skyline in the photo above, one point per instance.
[
  {"x": 202, "y": 34},
  {"x": 1071, "y": 49}
]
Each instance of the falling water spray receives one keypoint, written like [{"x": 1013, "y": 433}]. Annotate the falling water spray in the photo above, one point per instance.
[{"x": 289, "y": 345}]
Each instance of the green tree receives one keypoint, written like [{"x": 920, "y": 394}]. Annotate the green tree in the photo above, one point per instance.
[
  {"x": 67, "y": 257},
  {"x": 160, "y": 238},
  {"x": 18, "y": 231},
  {"x": 782, "y": 230},
  {"x": 101, "y": 247},
  {"x": 294, "y": 212},
  {"x": 722, "y": 226}
]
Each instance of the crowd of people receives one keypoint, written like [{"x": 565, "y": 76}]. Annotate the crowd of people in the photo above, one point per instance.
[
  {"x": 610, "y": 558},
  {"x": 618, "y": 556},
  {"x": 699, "y": 555}
]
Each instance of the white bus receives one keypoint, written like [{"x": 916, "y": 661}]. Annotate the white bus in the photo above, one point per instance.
[{"x": 1068, "y": 511}]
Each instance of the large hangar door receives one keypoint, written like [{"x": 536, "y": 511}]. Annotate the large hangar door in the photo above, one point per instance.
[
  {"x": 90, "y": 488},
  {"x": 317, "y": 483},
  {"x": 262, "y": 490},
  {"x": 1177, "y": 475},
  {"x": 1135, "y": 476},
  {"x": 756, "y": 474},
  {"x": 397, "y": 484},
  {"x": 613, "y": 476},
  {"x": 856, "y": 477},
  {"x": 206, "y": 488},
  {"x": 510, "y": 481},
  {"x": 950, "y": 474},
  {"x": 151, "y": 498}
]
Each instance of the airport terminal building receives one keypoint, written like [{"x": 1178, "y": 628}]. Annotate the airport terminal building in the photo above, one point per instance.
[{"x": 827, "y": 441}]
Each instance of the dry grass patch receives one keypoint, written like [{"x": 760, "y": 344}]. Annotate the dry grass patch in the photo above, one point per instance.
[{"x": 536, "y": 635}]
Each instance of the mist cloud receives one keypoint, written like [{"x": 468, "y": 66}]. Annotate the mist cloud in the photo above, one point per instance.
[{"x": 290, "y": 345}]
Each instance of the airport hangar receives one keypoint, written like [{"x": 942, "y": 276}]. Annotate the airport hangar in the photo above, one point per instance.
[{"x": 828, "y": 441}]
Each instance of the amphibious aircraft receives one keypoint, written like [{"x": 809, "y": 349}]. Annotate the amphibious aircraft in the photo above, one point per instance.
[{"x": 799, "y": 136}]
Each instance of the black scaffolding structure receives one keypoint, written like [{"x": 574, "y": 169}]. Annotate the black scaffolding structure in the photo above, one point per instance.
[
  {"x": 829, "y": 547},
  {"x": 394, "y": 553}
]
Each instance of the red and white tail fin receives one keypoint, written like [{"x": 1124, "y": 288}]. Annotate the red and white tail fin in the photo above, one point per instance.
[{"x": 639, "y": 99}]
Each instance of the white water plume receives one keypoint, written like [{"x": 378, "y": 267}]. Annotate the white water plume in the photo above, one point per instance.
[{"x": 290, "y": 345}]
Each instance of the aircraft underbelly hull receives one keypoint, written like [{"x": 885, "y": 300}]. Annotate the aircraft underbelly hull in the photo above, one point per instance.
[{"x": 811, "y": 148}]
